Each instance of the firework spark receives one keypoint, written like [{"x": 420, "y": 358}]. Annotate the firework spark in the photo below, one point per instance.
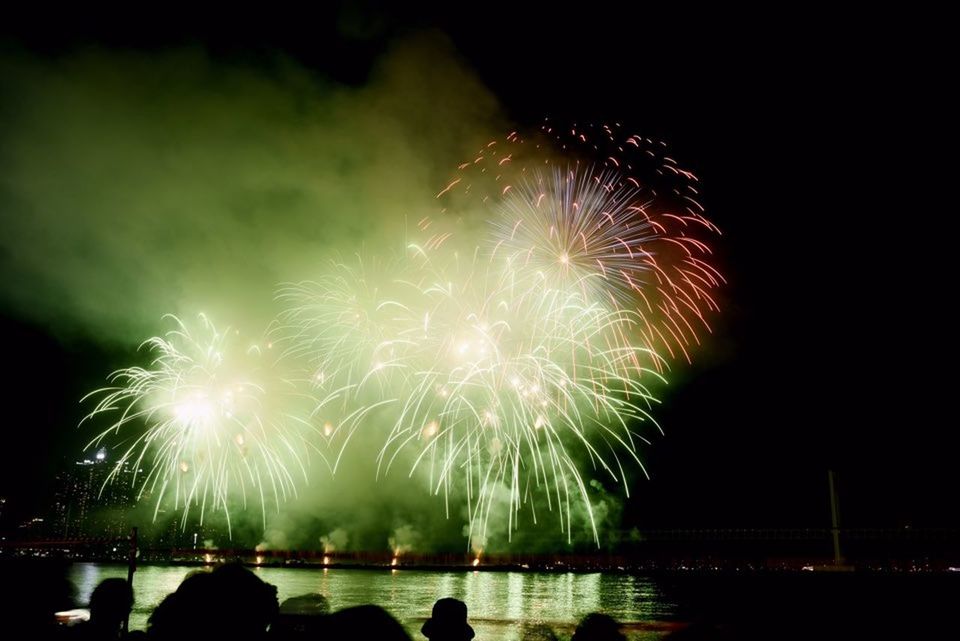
[
  {"x": 517, "y": 383},
  {"x": 605, "y": 211},
  {"x": 503, "y": 367},
  {"x": 211, "y": 422}
]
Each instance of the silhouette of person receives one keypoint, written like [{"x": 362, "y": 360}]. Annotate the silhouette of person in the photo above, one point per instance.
[
  {"x": 229, "y": 603},
  {"x": 302, "y": 616},
  {"x": 110, "y": 605},
  {"x": 448, "y": 622},
  {"x": 33, "y": 590},
  {"x": 598, "y": 627},
  {"x": 363, "y": 622}
]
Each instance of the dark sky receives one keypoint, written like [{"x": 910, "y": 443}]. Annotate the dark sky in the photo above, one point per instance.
[{"x": 818, "y": 139}]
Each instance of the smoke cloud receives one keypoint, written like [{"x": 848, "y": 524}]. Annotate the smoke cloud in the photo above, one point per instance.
[{"x": 133, "y": 186}]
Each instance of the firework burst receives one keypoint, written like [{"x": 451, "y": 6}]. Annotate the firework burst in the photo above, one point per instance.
[
  {"x": 504, "y": 368},
  {"x": 210, "y": 420},
  {"x": 610, "y": 213},
  {"x": 518, "y": 382}
]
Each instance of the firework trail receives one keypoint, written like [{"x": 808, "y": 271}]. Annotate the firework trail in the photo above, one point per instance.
[
  {"x": 518, "y": 383},
  {"x": 501, "y": 366},
  {"x": 489, "y": 377},
  {"x": 601, "y": 209},
  {"x": 355, "y": 342},
  {"x": 212, "y": 423},
  {"x": 595, "y": 240}
]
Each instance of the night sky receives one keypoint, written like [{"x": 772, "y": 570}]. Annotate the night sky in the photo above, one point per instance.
[{"x": 816, "y": 139}]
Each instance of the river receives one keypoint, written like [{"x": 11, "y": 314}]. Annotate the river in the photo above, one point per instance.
[{"x": 500, "y": 604}]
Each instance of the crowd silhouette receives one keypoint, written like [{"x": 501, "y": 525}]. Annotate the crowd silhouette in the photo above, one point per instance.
[{"x": 232, "y": 602}]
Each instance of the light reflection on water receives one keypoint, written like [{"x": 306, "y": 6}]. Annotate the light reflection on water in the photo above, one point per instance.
[{"x": 499, "y": 603}]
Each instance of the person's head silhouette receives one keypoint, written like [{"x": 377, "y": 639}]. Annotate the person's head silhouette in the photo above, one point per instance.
[
  {"x": 110, "y": 603},
  {"x": 448, "y": 622},
  {"x": 363, "y": 622},
  {"x": 598, "y": 627},
  {"x": 229, "y": 602}
]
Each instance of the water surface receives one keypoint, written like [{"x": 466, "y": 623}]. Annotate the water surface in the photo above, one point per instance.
[{"x": 500, "y": 603}]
